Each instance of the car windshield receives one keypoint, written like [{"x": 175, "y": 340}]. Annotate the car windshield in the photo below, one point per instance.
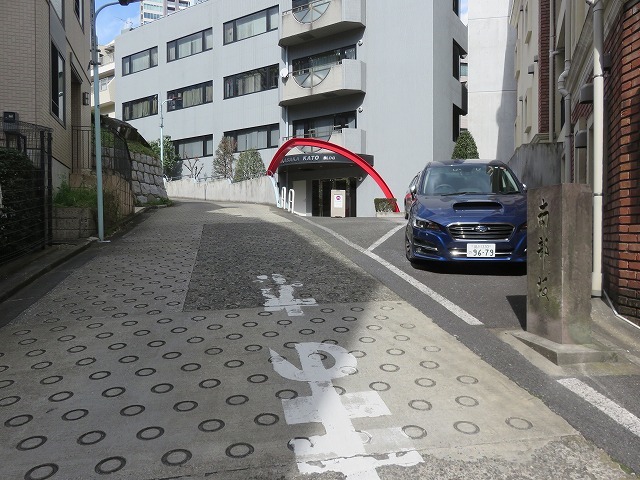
[{"x": 468, "y": 179}]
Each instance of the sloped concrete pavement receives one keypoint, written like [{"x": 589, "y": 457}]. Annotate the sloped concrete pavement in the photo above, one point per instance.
[{"x": 225, "y": 341}]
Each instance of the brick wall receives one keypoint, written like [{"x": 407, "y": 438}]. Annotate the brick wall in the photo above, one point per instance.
[
  {"x": 621, "y": 242},
  {"x": 17, "y": 57},
  {"x": 25, "y": 58},
  {"x": 543, "y": 66}
]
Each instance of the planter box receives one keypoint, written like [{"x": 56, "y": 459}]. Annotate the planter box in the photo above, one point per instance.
[
  {"x": 71, "y": 223},
  {"x": 390, "y": 214}
]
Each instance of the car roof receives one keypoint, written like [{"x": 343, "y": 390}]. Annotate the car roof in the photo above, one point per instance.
[{"x": 464, "y": 161}]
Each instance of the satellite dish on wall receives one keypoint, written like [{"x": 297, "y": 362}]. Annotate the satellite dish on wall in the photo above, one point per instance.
[{"x": 284, "y": 73}]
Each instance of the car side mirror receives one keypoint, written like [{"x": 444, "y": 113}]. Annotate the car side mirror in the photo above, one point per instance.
[{"x": 413, "y": 191}]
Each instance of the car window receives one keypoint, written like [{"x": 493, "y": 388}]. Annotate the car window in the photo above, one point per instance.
[{"x": 470, "y": 178}]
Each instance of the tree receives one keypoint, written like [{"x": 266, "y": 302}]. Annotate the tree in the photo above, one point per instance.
[
  {"x": 249, "y": 165},
  {"x": 223, "y": 161},
  {"x": 465, "y": 146},
  {"x": 171, "y": 160},
  {"x": 194, "y": 167}
]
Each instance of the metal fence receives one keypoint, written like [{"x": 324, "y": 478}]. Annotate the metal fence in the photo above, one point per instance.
[
  {"x": 25, "y": 189},
  {"x": 119, "y": 201}
]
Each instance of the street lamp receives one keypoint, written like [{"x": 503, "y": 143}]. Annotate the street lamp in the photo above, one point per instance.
[
  {"x": 96, "y": 109},
  {"x": 162, "y": 135}
]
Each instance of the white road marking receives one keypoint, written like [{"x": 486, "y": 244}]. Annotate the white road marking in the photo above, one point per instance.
[
  {"x": 385, "y": 238},
  {"x": 342, "y": 448},
  {"x": 449, "y": 305},
  {"x": 284, "y": 300},
  {"x": 614, "y": 411}
]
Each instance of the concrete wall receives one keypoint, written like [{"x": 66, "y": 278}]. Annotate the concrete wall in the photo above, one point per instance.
[
  {"x": 257, "y": 190},
  {"x": 538, "y": 165}
]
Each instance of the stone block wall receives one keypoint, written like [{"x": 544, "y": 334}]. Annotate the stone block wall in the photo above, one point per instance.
[
  {"x": 146, "y": 179},
  {"x": 71, "y": 223}
]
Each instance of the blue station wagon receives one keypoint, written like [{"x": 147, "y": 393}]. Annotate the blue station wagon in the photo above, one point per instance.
[{"x": 467, "y": 210}]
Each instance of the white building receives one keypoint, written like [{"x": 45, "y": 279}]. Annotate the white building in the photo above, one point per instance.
[
  {"x": 106, "y": 72},
  {"x": 492, "y": 84},
  {"x": 151, "y": 10},
  {"x": 378, "y": 80}
]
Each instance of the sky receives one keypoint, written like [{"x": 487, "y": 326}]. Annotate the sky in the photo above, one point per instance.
[{"x": 113, "y": 19}]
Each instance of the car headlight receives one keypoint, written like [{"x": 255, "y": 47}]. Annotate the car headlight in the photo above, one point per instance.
[{"x": 425, "y": 224}]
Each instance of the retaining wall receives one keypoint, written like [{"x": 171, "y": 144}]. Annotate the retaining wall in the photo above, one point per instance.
[{"x": 257, "y": 190}]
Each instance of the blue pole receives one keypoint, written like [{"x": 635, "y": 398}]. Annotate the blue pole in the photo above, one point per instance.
[{"x": 96, "y": 111}]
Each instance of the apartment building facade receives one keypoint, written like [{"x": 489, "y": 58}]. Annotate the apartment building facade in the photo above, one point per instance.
[
  {"x": 44, "y": 76},
  {"x": 579, "y": 73},
  {"x": 378, "y": 80},
  {"x": 106, "y": 74},
  {"x": 151, "y": 10}
]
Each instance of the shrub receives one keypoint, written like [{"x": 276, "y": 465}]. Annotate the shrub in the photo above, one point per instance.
[
  {"x": 76, "y": 197},
  {"x": 385, "y": 204},
  {"x": 465, "y": 146},
  {"x": 21, "y": 213}
]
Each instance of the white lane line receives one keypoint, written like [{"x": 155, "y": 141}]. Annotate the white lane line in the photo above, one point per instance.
[
  {"x": 614, "y": 411},
  {"x": 449, "y": 305},
  {"x": 385, "y": 238}
]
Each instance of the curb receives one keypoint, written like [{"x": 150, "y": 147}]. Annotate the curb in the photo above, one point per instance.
[{"x": 38, "y": 266}]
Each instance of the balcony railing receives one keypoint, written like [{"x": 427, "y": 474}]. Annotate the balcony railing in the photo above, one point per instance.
[
  {"x": 321, "y": 18},
  {"x": 311, "y": 12},
  {"x": 353, "y": 139},
  {"x": 345, "y": 77}
]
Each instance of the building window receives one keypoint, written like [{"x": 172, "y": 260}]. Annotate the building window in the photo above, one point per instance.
[
  {"x": 194, "y": 147},
  {"x": 104, "y": 82},
  {"x": 267, "y": 136},
  {"x": 456, "y": 122},
  {"x": 456, "y": 7},
  {"x": 323, "y": 127},
  {"x": 251, "y": 25},
  {"x": 323, "y": 60},
  {"x": 143, "y": 107},
  {"x": 190, "y": 96},
  {"x": 78, "y": 8},
  {"x": 58, "y": 93},
  {"x": 190, "y": 45},
  {"x": 458, "y": 52},
  {"x": 151, "y": 16},
  {"x": 253, "y": 81},
  {"x": 140, "y": 61},
  {"x": 59, "y": 8}
]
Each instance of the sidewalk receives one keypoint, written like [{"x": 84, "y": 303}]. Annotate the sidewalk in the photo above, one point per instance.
[{"x": 226, "y": 342}]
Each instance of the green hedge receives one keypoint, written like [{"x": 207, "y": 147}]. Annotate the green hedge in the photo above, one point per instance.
[
  {"x": 385, "y": 204},
  {"x": 21, "y": 213}
]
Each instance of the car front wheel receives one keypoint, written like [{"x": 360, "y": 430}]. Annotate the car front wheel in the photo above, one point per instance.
[{"x": 408, "y": 249}]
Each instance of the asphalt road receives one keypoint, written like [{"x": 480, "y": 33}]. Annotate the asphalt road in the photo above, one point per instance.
[{"x": 239, "y": 341}]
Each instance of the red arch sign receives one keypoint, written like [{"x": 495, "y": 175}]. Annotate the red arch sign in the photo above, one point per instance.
[{"x": 314, "y": 142}]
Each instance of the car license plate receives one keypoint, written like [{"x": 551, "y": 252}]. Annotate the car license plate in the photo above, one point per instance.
[{"x": 481, "y": 250}]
